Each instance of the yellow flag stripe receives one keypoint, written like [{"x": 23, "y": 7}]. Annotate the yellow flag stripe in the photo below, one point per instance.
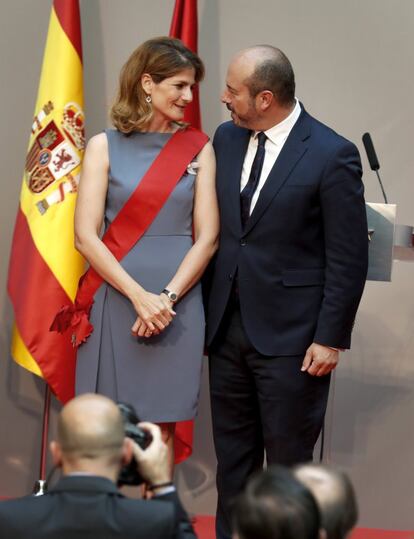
[
  {"x": 21, "y": 354},
  {"x": 61, "y": 75}
]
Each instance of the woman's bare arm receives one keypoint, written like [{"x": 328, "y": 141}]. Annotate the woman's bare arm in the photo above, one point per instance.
[
  {"x": 206, "y": 230},
  {"x": 206, "y": 226}
]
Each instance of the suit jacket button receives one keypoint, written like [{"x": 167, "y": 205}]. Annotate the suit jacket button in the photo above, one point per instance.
[
  {"x": 230, "y": 276},
  {"x": 243, "y": 243}
]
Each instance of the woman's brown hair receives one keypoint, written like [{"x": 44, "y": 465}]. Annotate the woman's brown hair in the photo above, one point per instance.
[{"x": 161, "y": 57}]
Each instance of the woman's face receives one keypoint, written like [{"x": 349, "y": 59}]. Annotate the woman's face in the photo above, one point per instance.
[{"x": 171, "y": 96}]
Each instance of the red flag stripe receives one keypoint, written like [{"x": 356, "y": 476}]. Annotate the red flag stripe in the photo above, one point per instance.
[
  {"x": 184, "y": 26},
  {"x": 67, "y": 11},
  {"x": 184, "y": 23},
  {"x": 37, "y": 296}
]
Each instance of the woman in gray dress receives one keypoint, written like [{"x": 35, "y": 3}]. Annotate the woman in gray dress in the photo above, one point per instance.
[{"x": 147, "y": 343}]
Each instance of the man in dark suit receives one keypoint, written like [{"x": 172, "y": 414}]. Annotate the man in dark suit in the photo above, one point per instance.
[
  {"x": 288, "y": 276},
  {"x": 85, "y": 503}
]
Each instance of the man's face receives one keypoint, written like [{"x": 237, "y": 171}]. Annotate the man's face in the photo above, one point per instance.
[{"x": 236, "y": 95}]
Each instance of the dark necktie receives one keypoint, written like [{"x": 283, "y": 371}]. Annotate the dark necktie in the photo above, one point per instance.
[{"x": 247, "y": 194}]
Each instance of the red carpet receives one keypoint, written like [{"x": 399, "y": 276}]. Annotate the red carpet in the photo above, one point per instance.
[
  {"x": 368, "y": 533},
  {"x": 204, "y": 526}
]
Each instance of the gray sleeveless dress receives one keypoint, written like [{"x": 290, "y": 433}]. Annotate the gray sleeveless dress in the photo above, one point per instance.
[{"x": 160, "y": 376}]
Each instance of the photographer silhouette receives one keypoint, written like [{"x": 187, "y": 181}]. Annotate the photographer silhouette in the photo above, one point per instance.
[{"x": 91, "y": 448}]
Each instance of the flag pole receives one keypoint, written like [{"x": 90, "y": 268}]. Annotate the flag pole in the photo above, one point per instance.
[
  {"x": 45, "y": 433},
  {"x": 40, "y": 485}
]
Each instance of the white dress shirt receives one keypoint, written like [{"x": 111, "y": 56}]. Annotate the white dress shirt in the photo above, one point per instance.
[{"x": 276, "y": 137}]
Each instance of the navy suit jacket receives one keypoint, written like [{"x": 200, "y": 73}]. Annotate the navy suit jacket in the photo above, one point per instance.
[
  {"x": 87, "y": 506},
  {"x": 302, "y": 258}
]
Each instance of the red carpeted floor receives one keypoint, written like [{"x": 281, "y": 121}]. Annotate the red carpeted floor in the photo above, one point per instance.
[
  {"x": 367, "y": 533},
  {"x": 204, "y": 526}
]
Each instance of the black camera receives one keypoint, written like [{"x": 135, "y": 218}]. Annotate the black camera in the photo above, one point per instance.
[{"x": 129, "y": 474}]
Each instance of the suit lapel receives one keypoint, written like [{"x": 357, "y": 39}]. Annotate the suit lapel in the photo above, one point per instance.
[
  {"x": 235, "y": 160},
  {"x": 294, "y": 148}
]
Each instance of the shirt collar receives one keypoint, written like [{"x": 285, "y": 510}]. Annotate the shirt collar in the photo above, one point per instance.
[{"x": 279, "y": 132}]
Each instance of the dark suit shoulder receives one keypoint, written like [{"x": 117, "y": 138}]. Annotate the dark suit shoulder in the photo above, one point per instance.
[
  {"x": 107, "y": 515},
  {"x": 152, "y": 517},
  {"x": 16, "y": 516},
  {"x": 225, "y": 127},
  {"x": 228, "y": 130},
  {"x": 24, "y": 504},
  {"x": 327, "y": 138}
]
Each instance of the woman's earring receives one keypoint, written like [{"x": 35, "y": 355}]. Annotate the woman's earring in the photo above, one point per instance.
[{"x": 148, "y": 99}]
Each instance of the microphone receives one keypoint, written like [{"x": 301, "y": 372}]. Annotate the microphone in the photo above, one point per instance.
[
  {"x": 373, "y": 160},
  {"x": 369, "y": 148}
]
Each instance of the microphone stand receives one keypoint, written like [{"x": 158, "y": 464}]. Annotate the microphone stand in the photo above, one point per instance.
[{"x": 382, "y": 187}]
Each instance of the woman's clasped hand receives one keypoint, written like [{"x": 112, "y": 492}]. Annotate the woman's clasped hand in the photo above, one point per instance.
[{"x": 155, "y": 313}]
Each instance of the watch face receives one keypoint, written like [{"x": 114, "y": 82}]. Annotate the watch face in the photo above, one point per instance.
[{"x": 170, "y": 295}]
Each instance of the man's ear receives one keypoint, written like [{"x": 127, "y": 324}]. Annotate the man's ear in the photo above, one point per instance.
[
  {"x": 264, "y": 99},
  {"x": 56, "y": 452},
  {"x": 147, "y": 83},
  {"x": 126, "y": 451}
]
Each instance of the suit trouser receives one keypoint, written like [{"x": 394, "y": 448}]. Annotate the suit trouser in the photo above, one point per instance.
[{"x": 260, "y": 404}]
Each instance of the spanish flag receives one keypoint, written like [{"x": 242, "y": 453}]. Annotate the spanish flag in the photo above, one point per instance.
[
  {"x": 184, "y": 26},
  {"x": 44, "y": 266}
]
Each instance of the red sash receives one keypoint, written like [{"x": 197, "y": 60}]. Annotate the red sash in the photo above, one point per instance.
[{"x": 130, "y": 224}]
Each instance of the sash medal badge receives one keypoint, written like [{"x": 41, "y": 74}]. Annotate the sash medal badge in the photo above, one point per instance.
[{"x": 54, "y": 156}]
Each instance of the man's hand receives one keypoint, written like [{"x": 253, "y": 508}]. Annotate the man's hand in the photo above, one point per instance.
[
  {"x": 153, "y": 462},
  {"x": 320, "y": 360}
]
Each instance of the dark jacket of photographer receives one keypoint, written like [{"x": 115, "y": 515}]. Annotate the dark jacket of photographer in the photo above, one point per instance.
[{"x": 80, "y": 507}]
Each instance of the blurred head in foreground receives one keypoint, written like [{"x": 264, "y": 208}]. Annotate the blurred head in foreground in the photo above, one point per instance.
[
  {"x": 334, "y": 495},
  {"x": 275, "y": 505}
]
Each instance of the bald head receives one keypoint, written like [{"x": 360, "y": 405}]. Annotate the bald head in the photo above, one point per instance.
[
  {"x": 90, "y": 426},
  {"x": 335, "y": 496},
  {"x": 260, "y": 88},
  {"x": 268, "y": 68}
]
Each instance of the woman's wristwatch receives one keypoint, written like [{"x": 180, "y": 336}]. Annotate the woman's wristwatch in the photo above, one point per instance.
[{"x": 172, "y": 296}]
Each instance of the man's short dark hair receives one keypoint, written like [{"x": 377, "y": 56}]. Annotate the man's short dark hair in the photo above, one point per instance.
[
  {"x": 276, "y": 505},
  {"x": 274, "y": 73}
]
